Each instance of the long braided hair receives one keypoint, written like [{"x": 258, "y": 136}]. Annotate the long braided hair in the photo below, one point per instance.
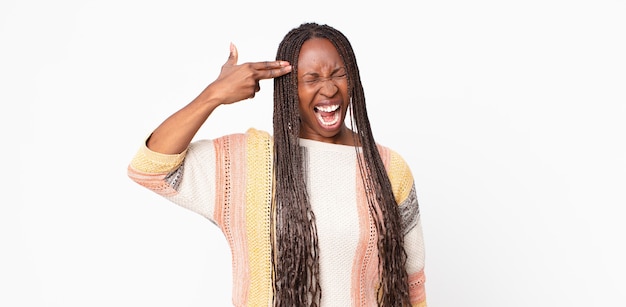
[{"x": 295, "y": 251}]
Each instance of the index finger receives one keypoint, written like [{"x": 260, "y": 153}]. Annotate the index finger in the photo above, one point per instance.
[
  {"x": 272, "y": 69},
  {"x": 269, "y": 65}
]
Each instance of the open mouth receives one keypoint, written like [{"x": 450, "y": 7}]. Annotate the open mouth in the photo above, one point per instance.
[{"x": 327, "y": 115}]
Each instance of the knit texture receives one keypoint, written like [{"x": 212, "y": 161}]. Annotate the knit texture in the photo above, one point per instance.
[{"x": 229, "y": 181}]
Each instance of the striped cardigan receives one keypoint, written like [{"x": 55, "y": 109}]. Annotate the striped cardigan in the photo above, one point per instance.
[{"x": 229, "y": 181}]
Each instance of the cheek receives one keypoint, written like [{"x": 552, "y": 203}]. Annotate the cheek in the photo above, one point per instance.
[
  {"x": 300, "y": 94},
  {"x": 345, "y": 90},
  {"x": 301, "y": 98},
  {"x": 302, "y": 104},
  {"x": 305, "y": 96}
]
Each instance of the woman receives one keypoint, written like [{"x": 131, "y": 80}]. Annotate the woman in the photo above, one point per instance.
[{"x": 318, "y": 214}]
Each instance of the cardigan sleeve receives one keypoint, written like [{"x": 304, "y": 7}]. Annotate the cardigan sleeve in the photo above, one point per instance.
[
  {"x": 187, "y": 179},
  {"x": 406, "y": 196}
]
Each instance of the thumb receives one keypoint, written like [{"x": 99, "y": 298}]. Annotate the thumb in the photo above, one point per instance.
[{"x": 232, "y": 57}]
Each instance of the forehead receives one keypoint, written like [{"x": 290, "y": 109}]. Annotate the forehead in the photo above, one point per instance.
[{"x": 318, "y": 53}]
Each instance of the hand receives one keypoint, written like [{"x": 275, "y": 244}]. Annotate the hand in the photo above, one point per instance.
[{"x": 239, "y": 82}]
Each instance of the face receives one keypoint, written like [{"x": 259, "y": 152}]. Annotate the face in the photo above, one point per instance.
[{"x": 323, "y": 93}]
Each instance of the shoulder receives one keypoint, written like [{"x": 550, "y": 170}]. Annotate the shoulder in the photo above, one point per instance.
[
  {"x": 253, "y": 133},
  {"x": 399, "y": 172},
  {"x": 251, "y": 142}
]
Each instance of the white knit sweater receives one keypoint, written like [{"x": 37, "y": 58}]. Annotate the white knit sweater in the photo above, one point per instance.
[{"x": 190, "y": 180}]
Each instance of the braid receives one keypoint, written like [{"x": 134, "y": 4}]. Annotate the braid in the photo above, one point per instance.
[{"x": 295, "y": 249}]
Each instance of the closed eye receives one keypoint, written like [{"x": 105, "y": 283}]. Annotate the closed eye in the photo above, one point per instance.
[
  {"x": 340, "y": 73},
  {"x": 314, "y": 78}
]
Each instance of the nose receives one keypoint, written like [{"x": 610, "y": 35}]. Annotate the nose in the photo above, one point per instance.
[{"x": 328, "y": 87}]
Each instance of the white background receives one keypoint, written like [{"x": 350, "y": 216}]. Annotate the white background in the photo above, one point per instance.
[{"x": 510, "y": 114}]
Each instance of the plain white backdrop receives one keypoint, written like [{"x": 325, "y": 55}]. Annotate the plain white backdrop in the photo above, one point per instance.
[{"x": 511, "y": 115}]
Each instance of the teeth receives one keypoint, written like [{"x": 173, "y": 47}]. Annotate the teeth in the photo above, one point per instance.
[
  {"x": 326, "y": 121},
  {"x": 327, "y": 108}
]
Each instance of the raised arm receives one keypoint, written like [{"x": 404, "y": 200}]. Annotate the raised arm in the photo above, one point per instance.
[{"x": 235, "y": 83}]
